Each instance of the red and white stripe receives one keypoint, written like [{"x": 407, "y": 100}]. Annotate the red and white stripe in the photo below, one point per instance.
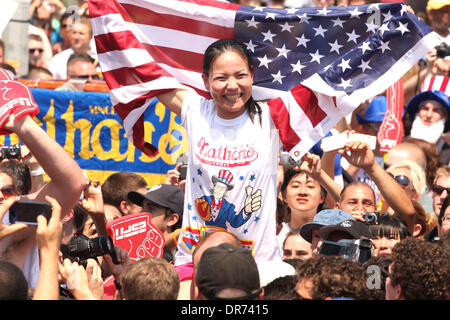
[{"x": 434, "y": 82}]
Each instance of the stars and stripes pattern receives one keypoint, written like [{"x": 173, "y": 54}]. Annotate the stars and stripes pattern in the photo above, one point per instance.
[{"x": 315, "y": 65}]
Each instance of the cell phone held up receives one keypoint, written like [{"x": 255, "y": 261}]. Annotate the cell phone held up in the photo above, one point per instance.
[{"x": 27, "y": 211}]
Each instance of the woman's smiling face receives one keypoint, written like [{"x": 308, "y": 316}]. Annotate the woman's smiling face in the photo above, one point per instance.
[{"x": 230, "y": 83}]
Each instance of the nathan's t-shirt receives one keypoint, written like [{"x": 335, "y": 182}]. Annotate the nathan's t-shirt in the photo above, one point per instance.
[{"x": 230, "y": 161}]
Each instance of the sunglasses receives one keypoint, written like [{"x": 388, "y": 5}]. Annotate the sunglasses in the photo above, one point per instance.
[
  {"x": 7, "y": 191},
  {"x": 32, "y": 50},
  {"x": 401, "y": 180},
  {"x": 438, "y": 189},
  {"x": 87, "y": 77}
]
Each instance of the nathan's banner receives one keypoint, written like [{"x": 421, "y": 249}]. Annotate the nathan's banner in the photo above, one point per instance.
[{"x": 90, "y": 130}]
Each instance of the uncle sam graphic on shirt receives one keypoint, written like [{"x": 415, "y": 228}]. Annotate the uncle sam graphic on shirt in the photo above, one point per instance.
[{"x": 216, "y": 211}]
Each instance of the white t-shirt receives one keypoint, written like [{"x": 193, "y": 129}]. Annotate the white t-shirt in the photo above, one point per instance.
[{"x": 229, "y": 156}]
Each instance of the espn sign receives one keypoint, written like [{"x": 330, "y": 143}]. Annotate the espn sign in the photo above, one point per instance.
[{"x": 135, "y": 234}]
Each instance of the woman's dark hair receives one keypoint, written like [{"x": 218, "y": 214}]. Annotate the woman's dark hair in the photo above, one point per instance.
[
  {"x": 291, "y": 173},
  {"x": 220, "y": 46},
  {"x": 389, "y": 226}
]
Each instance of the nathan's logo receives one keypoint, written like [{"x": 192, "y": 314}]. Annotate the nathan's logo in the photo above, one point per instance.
[
  {"x": 225, "y": 155},
  {"x": 130, "y": 230}
]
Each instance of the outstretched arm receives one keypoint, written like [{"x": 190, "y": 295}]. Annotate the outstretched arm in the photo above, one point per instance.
[
  {"x": 360, "y": 155},
  {"x": 67, "y": 179}
]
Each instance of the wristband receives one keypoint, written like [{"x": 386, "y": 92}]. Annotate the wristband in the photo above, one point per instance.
[{"x": 37, "y": 172}]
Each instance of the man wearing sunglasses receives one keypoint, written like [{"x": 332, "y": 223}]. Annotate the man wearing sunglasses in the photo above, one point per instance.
[
  {"x": 36, "y": 51},
  {"x": 440, "y": 189},
  {"x": 80, "y": 69}
]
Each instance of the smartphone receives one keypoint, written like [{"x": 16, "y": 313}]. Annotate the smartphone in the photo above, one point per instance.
[
  {"x": 26, "y": 211},
  {"x": 183, "y": 171}
]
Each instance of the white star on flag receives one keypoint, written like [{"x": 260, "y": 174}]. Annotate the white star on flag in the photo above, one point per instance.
[
  {"x": 302, "y": 41},
  {"x": 364, "y": 65},
  {"x": 355, "y": 13},
  {"x": 344, "y": 65},
  {"x": 252, "y": 22},
  {"x": 316, "y": 56},
  {"x": 338, "y": 22},
  {"x": 264, "y": 61},
  {"x": 402, "y": 27},
  {"x": 320, "y": 31},
  {"x": 335, "y": 46},
  {"x": 250, "y": 46},
  {"x": 277, "y": 77},
  {"x": 268, "y": 36},
  {"x": 297, "y": 67},
  {"x": 286, "y": 27},
  {"x": 352, "y": 36},
  {"x": 384, "y": 46},
  {"x": 283, "y": 51}
]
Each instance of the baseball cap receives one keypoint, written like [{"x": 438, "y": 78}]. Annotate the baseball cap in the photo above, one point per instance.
[
  {"x": 164, "y": 195},
  {"x": 375, "y": 111},
  {"x": 327, "y": 217},
  {"x": 226, "y": 266},
  {"x": 437, "y": 4},
  {"x": 435, "y": 95},
  {"x": 356, "y": 229}
]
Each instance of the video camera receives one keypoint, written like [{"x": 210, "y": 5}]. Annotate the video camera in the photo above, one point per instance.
[
  {"x": 81, "y": 248},
  {"x": 357, "y": 250}
]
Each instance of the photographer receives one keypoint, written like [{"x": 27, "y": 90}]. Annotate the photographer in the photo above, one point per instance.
[{"x": 358, "y": 198}]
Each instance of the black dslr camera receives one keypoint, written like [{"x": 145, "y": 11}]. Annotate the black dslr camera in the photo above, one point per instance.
[
  {"x": 442, "y": 50},
  {"x": 10, "y": 152},
  {"x": 81, "y": 248},
  {"x": 371, "y": 218}
]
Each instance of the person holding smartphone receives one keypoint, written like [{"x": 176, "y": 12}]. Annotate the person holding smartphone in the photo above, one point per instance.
[{"x": 66, "y": 178}]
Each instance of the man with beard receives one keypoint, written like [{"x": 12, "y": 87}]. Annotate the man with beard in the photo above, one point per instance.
[{"x": 429, "y": 111}]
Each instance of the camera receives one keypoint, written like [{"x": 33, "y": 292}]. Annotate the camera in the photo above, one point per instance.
[
  {"x": 183, "y": 172},
  {"x": 183, "y": 168},
  {"x": 442, "y": 50},
  {"x": 10, "y": 152},
  {"x": 357, "y": 250},
  {"x": 81, "y": 248},
  {"x": 287, "y": 161},
  {"x": 371, "y": 218}
]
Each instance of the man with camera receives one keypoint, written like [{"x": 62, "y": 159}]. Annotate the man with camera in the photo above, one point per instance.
[{"x": 358, "y": 198}]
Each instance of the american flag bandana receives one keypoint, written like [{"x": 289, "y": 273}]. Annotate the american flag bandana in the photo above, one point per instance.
[{"x": 314, "y": 65}]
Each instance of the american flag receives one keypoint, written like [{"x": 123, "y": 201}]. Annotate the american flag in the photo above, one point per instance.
[{"x": 315, "y": 65}]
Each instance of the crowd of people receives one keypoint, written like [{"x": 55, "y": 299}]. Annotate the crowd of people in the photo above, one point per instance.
[{"x": 351, "y": 223}]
